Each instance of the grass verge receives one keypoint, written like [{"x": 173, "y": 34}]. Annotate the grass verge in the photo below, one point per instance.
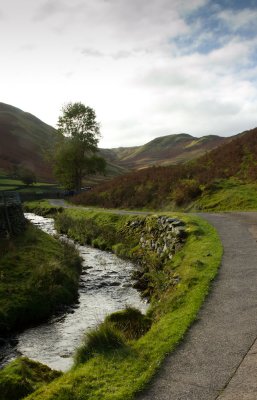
[
  {"x": 129, "y": 364},
  {"x": 41, "y": 207},
  {"x": 38, "y": 274}
]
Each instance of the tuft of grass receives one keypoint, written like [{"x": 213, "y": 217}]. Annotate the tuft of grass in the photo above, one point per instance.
[
  {"x": 104, "y": 339},
  {"x": 131, "y": 322},
  {"x": 22, "y": 377}
]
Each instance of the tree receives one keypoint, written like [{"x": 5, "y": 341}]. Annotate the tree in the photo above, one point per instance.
[
  {"x": 26, "y": 175},
  {"x": 75, "y": 155}
]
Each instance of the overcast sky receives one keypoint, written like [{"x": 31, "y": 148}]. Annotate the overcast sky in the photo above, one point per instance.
[{"x": 148, "y": 67}]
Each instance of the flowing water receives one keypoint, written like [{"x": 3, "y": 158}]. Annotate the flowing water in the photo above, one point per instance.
[{"x": 105, "y": 287}]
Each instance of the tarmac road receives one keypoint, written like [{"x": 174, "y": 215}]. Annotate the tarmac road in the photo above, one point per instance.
[{"x": 218, "y": 358}]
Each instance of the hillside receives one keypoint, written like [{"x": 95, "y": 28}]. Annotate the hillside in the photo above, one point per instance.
[
  {"x": 178, "y": 185},
  {"x": 24, "y": 140},
  {"x": 165, "y": 150}
]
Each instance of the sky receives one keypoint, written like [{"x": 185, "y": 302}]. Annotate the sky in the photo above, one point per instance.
[{"x": 149, "y": 68}]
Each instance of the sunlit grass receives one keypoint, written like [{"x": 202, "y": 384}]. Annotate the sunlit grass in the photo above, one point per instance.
[
  {"x": 16, "y": 184},
  {"x": 124, "y": 371},
  {"x": 228, "y": 195}
]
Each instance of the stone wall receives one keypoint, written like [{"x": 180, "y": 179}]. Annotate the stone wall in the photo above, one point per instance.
[
  {"x": 160, "y": 238},
  {"x": 161, "y": 235},
  {"x": 12, "y": 220}
]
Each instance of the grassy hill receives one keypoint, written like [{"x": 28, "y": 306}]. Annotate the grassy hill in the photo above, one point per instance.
[
  {"x": 24, "y": 140},
  {"x": 187, "y": 185},
  {"x": 165, "y": 150}
]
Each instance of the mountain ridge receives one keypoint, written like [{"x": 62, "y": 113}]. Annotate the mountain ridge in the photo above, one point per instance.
[
  {"x": 25, "y": 141},
  {"x": 163, "y": 150}
]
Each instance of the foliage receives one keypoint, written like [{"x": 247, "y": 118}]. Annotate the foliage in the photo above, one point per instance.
[
  {"x": 131, "y": 322},
  {"x": 79, "y": 122},
  {"x": 75, "y": 153},
  {"x": 227, "y": 195},
  {"x": 159, "y": 187},
  {"x": 22, "y": 377},
  {"x": 26, "y": 176},
  {"x": 186, "y": 191},
  {"x": 34, "y": 267},
  {"x": 41, "y": 207},
  {"x": 101, "y": 340},
  {"x": 124, "y": 370}
]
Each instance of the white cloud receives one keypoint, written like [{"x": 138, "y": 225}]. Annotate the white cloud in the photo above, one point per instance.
[
  {"x": 237, "y": 19},
  {"x": 123, "y": 58}
]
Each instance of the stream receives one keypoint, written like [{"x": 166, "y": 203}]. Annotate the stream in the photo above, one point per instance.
[{"x": 105, "y": 286}]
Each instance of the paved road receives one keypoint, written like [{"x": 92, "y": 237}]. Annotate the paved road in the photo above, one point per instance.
[{"x": 217, "y": 359}]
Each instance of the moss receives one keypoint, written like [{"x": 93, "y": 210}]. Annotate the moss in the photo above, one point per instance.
[{"x": 22, "y": 377}]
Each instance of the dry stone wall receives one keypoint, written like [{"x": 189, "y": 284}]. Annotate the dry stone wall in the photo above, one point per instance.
[
  {"x": 160, "y": 238},
  {"x": 161, "y": 235},
  {"x": 12, "y": 220}
]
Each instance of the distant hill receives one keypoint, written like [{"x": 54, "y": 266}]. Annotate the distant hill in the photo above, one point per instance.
[
  {"x": 157, "y": 187},
  {"x": 24, "y": 140},
  {"x": 165, "y": 150}
]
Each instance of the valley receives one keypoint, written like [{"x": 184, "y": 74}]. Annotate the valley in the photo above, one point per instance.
[{"x": 140, "y": 210}]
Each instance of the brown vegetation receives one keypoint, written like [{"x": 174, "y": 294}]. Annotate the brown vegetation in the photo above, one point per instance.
[
  {"x": 24, "y": 141},
  {"x": 154, "y": 187}
]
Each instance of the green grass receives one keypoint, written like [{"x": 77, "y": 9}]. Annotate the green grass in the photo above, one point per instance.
[
  {"x": 38, "y": 274},
  {"x": 131, "y": 322},
  {"x": 7, "y": 183},
  {"x": 41, "y": 207},
  {"x": 227, "y": 195},
  {"x": 22, "y": 377},
  {"x": 104, "y": 340},
  {"x": 125, "y": 370}
]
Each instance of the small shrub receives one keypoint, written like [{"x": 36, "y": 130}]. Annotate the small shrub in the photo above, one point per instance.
[
  {"x": 103, "y": 339},
  {"x": 99, "y": 243},
  {"x": 185, "y": 191},
  {"x": 131, "y": 322}
]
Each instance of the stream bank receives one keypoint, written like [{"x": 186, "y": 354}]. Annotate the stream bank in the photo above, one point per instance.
[
  {"x": 34, "y": 267},
  {"x": 104, "y": 287}
]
